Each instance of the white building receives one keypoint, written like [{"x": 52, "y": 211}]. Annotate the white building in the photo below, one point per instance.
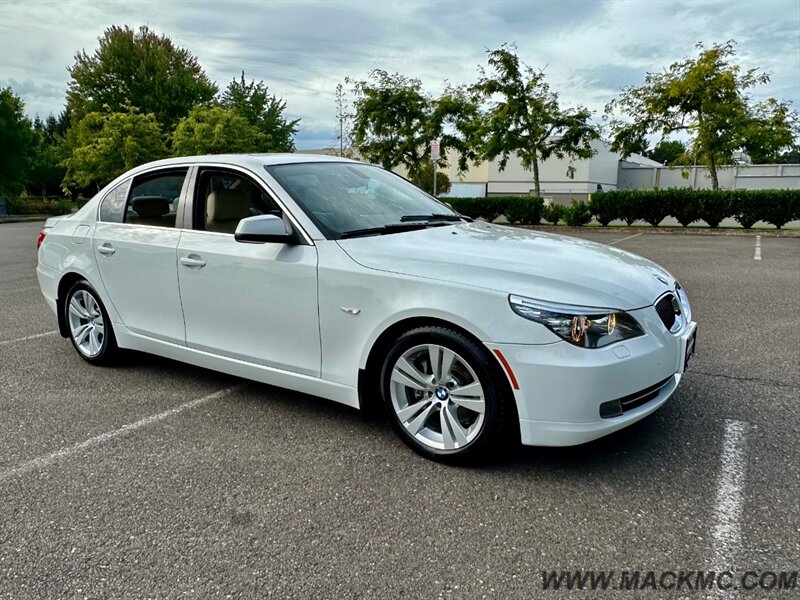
[{"x": 606, "y": 170}]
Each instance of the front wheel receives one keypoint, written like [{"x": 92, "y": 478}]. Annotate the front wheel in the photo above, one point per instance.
[
  {"x": 88, "y": 323},
  {"x": 443, "y": 394}
]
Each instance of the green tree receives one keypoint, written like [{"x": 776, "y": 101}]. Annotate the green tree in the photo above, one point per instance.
[
  {"x": 391, "y": 123},
  {"x": 137, "y": 68},
  {"x": 395, "y": 121},
  {"x": 344, "y": 119},
  {"x": 668, "y": 152},
  {"x": 15, "y": 148},
  {"x": 215, "y": 130},
  {"x": 704, "y": 96},
  {"x": 772, "y": 129},
  {"x": 790, "y": 156},
  {"x": 524, "y": 117},
  {"x": 424, "y": 179},
  {"x": 45, "y": 173},
  {"x": 101, "y": 146},
  {"x": 263, "y": 111}
]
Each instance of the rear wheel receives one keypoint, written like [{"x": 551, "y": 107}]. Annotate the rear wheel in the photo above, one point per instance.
[
  {"x": 442, "y": 394},
  {"x": 88, "y": 323}
]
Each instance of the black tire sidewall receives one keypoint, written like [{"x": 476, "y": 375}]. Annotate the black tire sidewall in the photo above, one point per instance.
[
  {"x": 109, "y": 343},
  {"x": 479, "y": 360}
]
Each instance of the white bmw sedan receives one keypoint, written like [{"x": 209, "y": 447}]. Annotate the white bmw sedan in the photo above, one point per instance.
[{"x": 342, "y": 280}]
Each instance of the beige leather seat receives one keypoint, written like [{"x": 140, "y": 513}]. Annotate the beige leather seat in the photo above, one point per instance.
[
  {"x": 151, "y": 210},
  {"x": 224, "y": 210}
]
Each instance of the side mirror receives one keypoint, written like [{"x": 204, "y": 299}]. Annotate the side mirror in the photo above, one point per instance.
[{"x": 264, "y": 229}]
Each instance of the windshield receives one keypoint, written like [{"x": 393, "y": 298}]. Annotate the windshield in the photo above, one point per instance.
[{"x": 342, "y": 198}]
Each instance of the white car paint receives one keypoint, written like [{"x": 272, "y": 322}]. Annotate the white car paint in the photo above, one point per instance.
[{"x": 278, "y": 313}]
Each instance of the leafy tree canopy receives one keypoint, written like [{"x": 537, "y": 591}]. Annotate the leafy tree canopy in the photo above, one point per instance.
[
  {"x": 771, "y": 130},
  {"x": 216, "y": 129},
  {"x": 45, "y": 174},
  {"x": 704, "y": 96},
  {"x": 524, "y": 117},
  {"x": 15, "y": 148},
  {"x": 103, "y": 145},
  {"x": 668, "y": 152},
  {"x": 395, "y": 121},
  {"x": 424, "y": 179},
  {"x": 137, "y": 68},
  {"x": 264, "y": 111}
]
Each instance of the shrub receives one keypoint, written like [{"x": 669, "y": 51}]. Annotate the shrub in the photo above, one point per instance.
[
  {"x": 747, "y": 209},
  {"x": 684, "y": 206},
  {"x": 603, "y": 207},
  {"x": 517, "y": 209},
  {"x": 578, "y": 214},
  {"x": 629, "y": 207},
  {"x": 687, "y": 206},
  {"x": 36, "y": 206},
  {"x": 527, "y": 211},
  {"x": 780, "y": 206},
  {"x": 714, "y": 206},
  {"x": 554, "y": 213},
  {"x": 654, "y": 209}
]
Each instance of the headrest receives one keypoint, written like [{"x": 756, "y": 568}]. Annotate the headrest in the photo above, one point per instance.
[
  {"x": 150, "y": 206},
  {"x": 227, "y": 205}
]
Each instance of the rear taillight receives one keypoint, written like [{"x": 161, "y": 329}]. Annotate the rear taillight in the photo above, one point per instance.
[{"x": 39, "y": 241}]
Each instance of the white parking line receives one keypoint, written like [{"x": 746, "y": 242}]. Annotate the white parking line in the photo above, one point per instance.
[
  {"x": 28, "y": 337},
  {"x": 626, "y": 238},
  {"x": 757, "y": 255},
  {"x": 728, "y": 506},
  {"x": 45, "y": 461}
]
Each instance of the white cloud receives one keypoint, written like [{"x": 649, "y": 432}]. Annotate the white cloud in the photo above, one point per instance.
[{"x": 303, "y": 49}]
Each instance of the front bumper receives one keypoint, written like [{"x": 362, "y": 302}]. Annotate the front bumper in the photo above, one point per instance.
[{"x": 561, "y": 386}]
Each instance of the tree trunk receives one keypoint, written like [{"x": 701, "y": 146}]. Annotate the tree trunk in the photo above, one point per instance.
[
  {"x": 712, "y": 169},
  {"x": 712, "y": 163},
  {"x": 536, "y": 175}
]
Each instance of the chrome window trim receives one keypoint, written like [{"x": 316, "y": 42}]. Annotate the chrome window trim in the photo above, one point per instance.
[{"x": 179, "y": 212}]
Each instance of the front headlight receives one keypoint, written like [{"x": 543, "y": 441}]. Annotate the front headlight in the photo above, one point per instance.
[
  {"x": 582, "y": 326},
  {"x": 684, "y": 302}
]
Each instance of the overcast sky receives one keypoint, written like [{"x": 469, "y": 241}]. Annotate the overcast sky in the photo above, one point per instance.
[{"x": 303, "y": 49}]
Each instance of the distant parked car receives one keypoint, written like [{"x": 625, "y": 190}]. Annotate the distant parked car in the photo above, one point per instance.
[{"x": 342, "y": 280}]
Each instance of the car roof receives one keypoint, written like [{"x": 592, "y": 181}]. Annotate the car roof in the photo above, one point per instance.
[{"x": 253, "y": 161}]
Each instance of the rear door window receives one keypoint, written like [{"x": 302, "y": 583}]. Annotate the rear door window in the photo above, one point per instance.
[{"x": 154, "y": 198}]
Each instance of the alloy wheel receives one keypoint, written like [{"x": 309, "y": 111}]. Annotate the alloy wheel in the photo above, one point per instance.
[
  {"x": 437, "y": 397},
  {"x": 86, "y": 323}
]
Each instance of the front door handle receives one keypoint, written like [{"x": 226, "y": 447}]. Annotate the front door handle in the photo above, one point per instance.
[
  {"x": 106, "y": 249},
  {"x": 193, "y": 261}
]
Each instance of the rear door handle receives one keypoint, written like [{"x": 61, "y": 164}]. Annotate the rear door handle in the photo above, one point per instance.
[
  {"x": 106, "y": 249},
  {"x": 193, "y": 261}
]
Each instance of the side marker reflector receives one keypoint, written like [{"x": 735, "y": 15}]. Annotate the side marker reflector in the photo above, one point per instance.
[{"x": 507, "y": 367}]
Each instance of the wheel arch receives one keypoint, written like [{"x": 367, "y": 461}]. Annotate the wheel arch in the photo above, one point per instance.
[
  {"x": 64, "y": 284},
  {"x": 369, "y": 373}
]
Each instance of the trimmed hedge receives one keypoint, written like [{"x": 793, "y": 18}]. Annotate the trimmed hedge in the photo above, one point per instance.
[
  {"x": 776, "y": 207},
  {"x": 554, "y": 213},
  {"x": 578, "y": 214},
  {"x": 37, "y": 206},
  {"x": 526, "y": 210}
]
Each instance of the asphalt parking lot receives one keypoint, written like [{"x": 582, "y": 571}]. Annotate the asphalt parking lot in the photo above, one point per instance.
[{"x": 111, "y": 485}]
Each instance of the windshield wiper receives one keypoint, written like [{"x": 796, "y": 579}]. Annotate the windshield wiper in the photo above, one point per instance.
[
  {"x": 435, "y": 217},
  {"x": 390, "y": 228}
]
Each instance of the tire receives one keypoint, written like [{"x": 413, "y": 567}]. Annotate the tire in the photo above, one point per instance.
[
  {"x": 89, "y": 327},
  {"x": 455, "y": 415}
]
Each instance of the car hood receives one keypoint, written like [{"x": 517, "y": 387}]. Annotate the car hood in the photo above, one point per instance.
[{"x": 517, "y": 261}]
